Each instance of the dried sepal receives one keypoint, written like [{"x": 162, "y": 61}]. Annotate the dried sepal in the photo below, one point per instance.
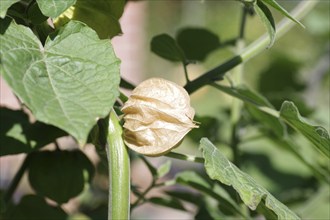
[{"x": 157, "y": 116}]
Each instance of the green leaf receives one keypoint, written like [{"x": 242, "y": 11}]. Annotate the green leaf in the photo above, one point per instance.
[
  {"x": 18, "y": 135},
  {"x": 167, "y": 202},
  {"x": 5, "y": 4},
  {"x": 318, "y": 135},
  {"x": 53, "y": 8},
  {"x": 32, "y": 207},
  {"x": 260, "y": 108},
  {"x": 197, "y": 43},
  {"x": 267, "y": 19},
  {"x": 101, "y": 15},
  {"x": 164, "y": 169},
  {"x": 218, "y": 167},
  {"x": 165, "y": 46},
  {"x": 70, "y": 82},
  {"x": 278, "y": 7},
  {"x": 59, "y": 175},
  {"x": 257, "y": 105}
]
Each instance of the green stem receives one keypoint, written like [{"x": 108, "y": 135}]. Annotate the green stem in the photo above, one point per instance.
[
  {"x": 237, "y": 104},
  {"x": 142, "y": 196},
  {"x": 17, "y": 178},
  {"x": 119, "y": 171},
  {"x": 251, "y": 51},
  {"x": 233, "y": 93},
  {"x": 185, "y": 157},
  {"x": 185, "y": 71}
]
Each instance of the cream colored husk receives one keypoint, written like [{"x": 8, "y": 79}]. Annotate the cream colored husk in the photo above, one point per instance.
[{"x": 157, "y": 116}]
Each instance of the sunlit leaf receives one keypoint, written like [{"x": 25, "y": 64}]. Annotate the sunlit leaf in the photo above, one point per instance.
[
  {"x": 53, "y": 8},
  {"x": 318, "y": 135},
  {"x": 70, "y": 82},
  {"x": 218, "y": 167},
  {"x": 5, "y": 4}
]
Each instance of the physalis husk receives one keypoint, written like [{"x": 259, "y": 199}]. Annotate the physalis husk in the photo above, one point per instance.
[{"x": 157, "y": 116}]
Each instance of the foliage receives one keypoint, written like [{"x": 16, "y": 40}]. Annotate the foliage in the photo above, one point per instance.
[{"x": 260, "y": 156}]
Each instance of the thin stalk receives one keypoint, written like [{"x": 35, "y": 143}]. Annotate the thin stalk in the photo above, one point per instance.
[
  {"x": 185, "y": 157},
  {"x": 185, "y": 71},
  {"x": 252, "y": 50},
  {"x": 119, "y": 171},
  {"x": 57, "y": 146},
  {"x": 236, "y": 106},
  {"x": 17, "y": 178},
  {"x": 265, "y": 109},
  {"x": 142, "y": 196}
]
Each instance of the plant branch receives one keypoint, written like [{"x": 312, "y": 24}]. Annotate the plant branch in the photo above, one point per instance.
[
  {"x": 185, "y": 157},
  {"x": 251, "y": 51},
  {"x": 141, "y": 197},
  {"x": 17, "y": 178},
  {"x": 186, "y": 71},
  {"x": 236, "y": 106}
]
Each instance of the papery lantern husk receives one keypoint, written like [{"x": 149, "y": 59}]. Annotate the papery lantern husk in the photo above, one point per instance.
[{"x": 157, "y": 116}]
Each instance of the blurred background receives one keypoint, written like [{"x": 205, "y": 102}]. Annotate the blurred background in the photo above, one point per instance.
[{"x": 296, "y": 68}]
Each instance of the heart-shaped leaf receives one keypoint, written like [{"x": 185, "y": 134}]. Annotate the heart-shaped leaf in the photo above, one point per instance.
[{"x": 70, "y": 82}]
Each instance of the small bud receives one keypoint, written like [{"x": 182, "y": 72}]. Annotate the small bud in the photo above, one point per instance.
[{"x": 157, "y": 116}]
